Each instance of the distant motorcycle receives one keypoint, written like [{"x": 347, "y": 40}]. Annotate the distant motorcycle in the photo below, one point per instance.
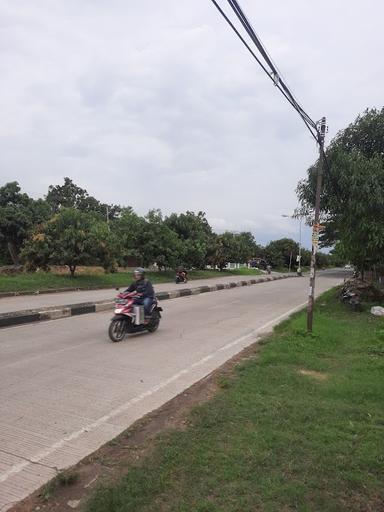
[
  {"x": 181, "y": 277},
  {"x": 129, "y": 317}
]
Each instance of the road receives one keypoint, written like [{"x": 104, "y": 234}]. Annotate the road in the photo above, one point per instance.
[
  {"x": 65, "y": 389},
  {"x": 21, "y": 302}
]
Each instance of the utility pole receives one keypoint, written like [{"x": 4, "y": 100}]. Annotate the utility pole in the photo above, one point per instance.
[
  {"x": 299, "y": 268},
  {"x": 316, "y": 224}
]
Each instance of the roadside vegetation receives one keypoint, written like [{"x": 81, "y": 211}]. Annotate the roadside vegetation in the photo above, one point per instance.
[
  {"x": 299, "y": 426},
  {"x": 71, "y": 228},
  {"x": 39, "y": 281},
  {"x": 352, "y": 199}
]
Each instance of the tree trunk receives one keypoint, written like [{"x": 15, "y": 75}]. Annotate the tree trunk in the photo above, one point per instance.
[{"x": 13, "y": 252}]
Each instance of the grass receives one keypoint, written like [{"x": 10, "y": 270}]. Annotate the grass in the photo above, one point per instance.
[
  {"x": 299, "y": 428},
  {"x": 47, "y": 280},
  {"x": 65, "y": 478}
]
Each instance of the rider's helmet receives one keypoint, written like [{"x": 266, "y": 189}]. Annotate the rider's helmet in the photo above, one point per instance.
[{"x": 139, "y": 272}]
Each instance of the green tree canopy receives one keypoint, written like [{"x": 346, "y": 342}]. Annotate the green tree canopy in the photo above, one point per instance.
[
  {"x": 195, "y": 233},
  {"x": 352, "y": 200},
  {"x": 18, "y": 214},
  {"x": 129, "y": 229},
  {"x": 281, "y": 252},
  {"x": 70, "y": 195},
  {"x": 231, "y": 248},
  {"x": 158, "y": 243},
  {"x": 72, "y": 238}
]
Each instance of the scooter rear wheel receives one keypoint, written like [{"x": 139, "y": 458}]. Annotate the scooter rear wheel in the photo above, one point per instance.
[
  {"x": 117, "y": 330},
  {"x": 154, "y": 322}
]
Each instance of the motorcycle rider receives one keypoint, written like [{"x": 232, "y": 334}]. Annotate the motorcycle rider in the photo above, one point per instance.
[
  {"x": 181, "y": 275},
  {"x": 143, "y": 287}
]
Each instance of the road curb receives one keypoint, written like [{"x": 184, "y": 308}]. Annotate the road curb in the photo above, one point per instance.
[
  {"x": 55, "y": 312},
  {"x": 52, "y": 291}
]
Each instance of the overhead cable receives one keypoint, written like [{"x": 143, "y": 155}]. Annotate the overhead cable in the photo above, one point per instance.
[{"x": 273, "y": 74}]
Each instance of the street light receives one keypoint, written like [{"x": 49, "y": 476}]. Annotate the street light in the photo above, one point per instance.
[{"x": 299, "y": 257}]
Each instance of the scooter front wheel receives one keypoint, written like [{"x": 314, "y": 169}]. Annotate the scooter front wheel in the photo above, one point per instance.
[{"x": 117, "y": 329}]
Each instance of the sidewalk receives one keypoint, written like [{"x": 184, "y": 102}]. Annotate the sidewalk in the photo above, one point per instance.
[
  {"x": 67, "y": 304},
  {"x": 24, "y": 302}
]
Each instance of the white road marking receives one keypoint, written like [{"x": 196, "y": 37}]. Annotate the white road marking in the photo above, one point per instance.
[{"x": 122, "y": 408}]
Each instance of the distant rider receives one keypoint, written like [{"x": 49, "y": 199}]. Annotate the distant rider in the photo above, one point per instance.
[
  {"x": 181, "y": 275},
  {"x": 144, "y": 289}
]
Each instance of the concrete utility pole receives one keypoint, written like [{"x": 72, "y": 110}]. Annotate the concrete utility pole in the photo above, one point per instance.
[{"x": 316, "y": 225}]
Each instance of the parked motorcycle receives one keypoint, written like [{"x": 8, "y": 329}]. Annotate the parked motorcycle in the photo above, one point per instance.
[
  {"x": 181, "y": 277},
  {"x": 129, "y": 317}
]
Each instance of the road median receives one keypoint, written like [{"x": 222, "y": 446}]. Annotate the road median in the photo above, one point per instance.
[{"x": 56, "y": 312}]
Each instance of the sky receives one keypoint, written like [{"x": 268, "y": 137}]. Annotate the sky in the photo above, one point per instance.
[{"x": 158, "y": 105}]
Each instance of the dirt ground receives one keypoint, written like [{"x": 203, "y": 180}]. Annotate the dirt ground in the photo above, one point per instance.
[{"x": 70, "y": 489}]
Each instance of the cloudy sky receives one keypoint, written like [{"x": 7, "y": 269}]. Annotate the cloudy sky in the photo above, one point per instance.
[{"x": 156, "y": 104}]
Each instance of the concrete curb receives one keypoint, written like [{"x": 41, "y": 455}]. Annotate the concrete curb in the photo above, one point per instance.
[
  {"x": 57, "y": 290},
  {"x": 56, "y": 312}
]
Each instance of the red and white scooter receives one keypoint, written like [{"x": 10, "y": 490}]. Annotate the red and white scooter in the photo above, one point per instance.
[{"x": 129, "y": 317}]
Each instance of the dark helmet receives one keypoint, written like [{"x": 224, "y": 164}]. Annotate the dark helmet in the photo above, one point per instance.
[{"x": 139, "y": 271}]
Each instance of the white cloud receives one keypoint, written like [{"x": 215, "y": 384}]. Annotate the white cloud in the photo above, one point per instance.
[{"x": 157, "y": 104}]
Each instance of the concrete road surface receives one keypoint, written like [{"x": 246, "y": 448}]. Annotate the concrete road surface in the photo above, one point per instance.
[
  {"x": 65, "y": 389},
  {"x": 8, "y": 304}
]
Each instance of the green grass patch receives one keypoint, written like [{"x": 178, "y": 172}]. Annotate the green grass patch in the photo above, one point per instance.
[
  {"x": 301, "y": 428},
  {"x": 48, "y": 280}
]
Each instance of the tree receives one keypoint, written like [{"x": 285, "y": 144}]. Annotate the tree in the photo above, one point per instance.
[
  {"x": 282, "y": 252},
  {"x": 337, "y": 256},
  {"x": 322, "y": 259},
  {"x": 70, "y": 195},
  {"x": 223, "y": 250},
  {"x": 18, "y": 214},
  {"x": 70, "y": 238},
  {"x": 104, "y": 245},
  {"x": 232, "y": 248},
  {"x": 128, "y": 230},
  {"x": 352, "y": 200},
  {"x": 246, "y": 246},
  {"x": 195, "y": 233},
  {"x": 158, "y": 243},
  {"x": 305, "y": 257}
]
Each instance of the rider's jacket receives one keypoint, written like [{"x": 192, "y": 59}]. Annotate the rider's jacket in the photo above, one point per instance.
[{"x": 143, "y": 287}]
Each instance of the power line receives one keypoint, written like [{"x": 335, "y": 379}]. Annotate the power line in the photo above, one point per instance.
[
  {"x": 317, "y": 131},
  {"x": 273, "y": 75},
  {"x": 277, "y": 75}
]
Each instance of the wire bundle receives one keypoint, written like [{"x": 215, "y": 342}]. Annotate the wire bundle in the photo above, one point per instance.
[{"x": 268, "y": 66}]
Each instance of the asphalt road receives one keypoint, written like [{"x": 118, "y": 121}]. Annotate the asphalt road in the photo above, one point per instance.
[{"x": 65, "y": 389}]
